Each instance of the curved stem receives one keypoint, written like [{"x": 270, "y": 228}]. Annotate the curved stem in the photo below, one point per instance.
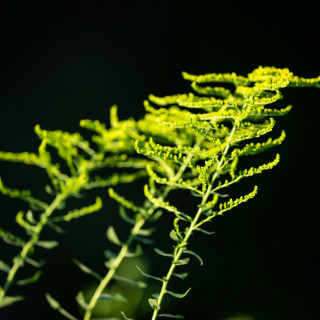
[
  {"x": 125, "y": 247},
  {"x": 28, "y": 246},
  {"x": 104, "y": 282},
  {"x": 179, "y": 249}
]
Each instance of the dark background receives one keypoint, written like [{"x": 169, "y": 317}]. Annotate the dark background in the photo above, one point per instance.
[{"x": 65, "y": 61}]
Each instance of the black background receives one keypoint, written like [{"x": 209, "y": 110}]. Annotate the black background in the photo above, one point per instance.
[{"x": 65, "y": 61}]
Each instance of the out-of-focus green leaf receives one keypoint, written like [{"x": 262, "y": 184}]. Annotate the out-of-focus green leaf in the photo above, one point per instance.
[
  {"x": 147, "y": 275},
  {"x": 86, "y": 269},
  {"x": 195, "y": 255},
  {"x": 8, "y": 300},
  {"x": 54, "y": 304},
  {"x": 138, "y": 284},
  {"x": 47, "y": 244},
  {"x": 4, "y": 267},
  {"x": 32, "y": 279},
  {"x": 81, "y": 301},
  {"x": 178, "y": 295},
  {"x": 112, "y": 236},
  {"x": 154, "y": 303}
]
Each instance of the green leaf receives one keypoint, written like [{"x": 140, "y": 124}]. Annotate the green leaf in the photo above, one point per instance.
[
  {"x": 154, "y": 304},
  {"x": 56, "y": 228},
  {"x": 81, "y": 301},
  {"x": 178, "y": 295},
  {"x": 109, "y": 263},
  {"x": 205, "y": 231},
  {"x": 109, "y": 254},
  {"x": 30, "y": 218},
  {"x": 137, "y": 252},
  {"x": 123, "y": 214},
  {"x": 167, "y": 315},
  {"x": 181, "y": 262},
  {"x": 47, "y": 244},
  {"x": 145, "y": 232},
  {"x": 147, "y": 275},
  {"x": 54, "y": 304},
  {"x": 144, "y": 240},
  {"x": 11, "y": 239},
  {"x": 162, "y": 253},
  {"x": 86, "y": 269},
  {"x": 156, "y": 216},
  {"x": 49, "y": 190},
  {"x": 112, "y": 236},
  {"x": 180, "y": 275},
  {"x": 138, "y": 284},
  {"x": 115, "y": 297},
  {"x": 174, "y": 236},
  {"x": 195, "y": 255},
  {"x": 32, "y": 279},
  {"x": 4, "y": 267},
  {"x": 8, "y": 300},
  {"x": 34, "y": 263},
  {"x": 124, "y": 316}
]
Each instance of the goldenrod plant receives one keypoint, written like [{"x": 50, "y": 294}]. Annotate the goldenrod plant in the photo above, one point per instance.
[
  {"x": 146, "y": 128},
  {"x": 210, "y": 131},
  {"x": 222, "y": 126},
  {"x": 75, "y": 172},
  {"x": 190, "y": 143}
]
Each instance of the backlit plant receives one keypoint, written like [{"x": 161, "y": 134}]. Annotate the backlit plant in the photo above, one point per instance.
[{"x": 191, "y": 142}]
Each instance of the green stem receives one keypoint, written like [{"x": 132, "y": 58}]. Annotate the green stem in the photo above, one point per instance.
[
  {"x": 125, "y": 247},
  {"x": 115, "y": 264},
  {"x": 28, "y": 246},
  {"x": 181, "y": 247}
]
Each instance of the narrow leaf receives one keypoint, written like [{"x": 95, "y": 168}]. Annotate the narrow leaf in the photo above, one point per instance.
[
  {"x": 54, "y": 304},
  {"x": 144, "y": 240},
  {"x": 81, "y": 301},
  {"x": 32, "y": 279},
  {"x": 47, "y": 244},
  {"x": 123, "y": 214},
  {"x": 138, "y": 284},
  {"x": 147, "y": 275},
  {"x": 112, "y": 236},
  {"x": 178, "y": 295},
  {"x": 11, "y": 239},
  {"x": 86, "y": 269},
  {"x": 145, "y": 232},
  {"x": 181, "y": 262},
  {"x": 156, "y": 216},
  {"x": 10, "y": 300},
  {"x": 109, "y": 263},
  {"x": 195, "y": 255},
  {"x": 116, "y": 297},
  {"x": 56, "y": 228},
  {"x": 162, "y": 253},
  {"x": 205, "y": 231},
  {"x": 34, "y": 263},
  {"x": 124, "y": 316},
  {"x": 180, "y": 275},
  {"x": 167, "y": 315},
  {"x": 109, "y": 254},
  {"x": 30, "y": 218},
  {"x": 154, "y": 304},
  {"x": 4, "y": 267},
  {"x": 137, "y": 252}
]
